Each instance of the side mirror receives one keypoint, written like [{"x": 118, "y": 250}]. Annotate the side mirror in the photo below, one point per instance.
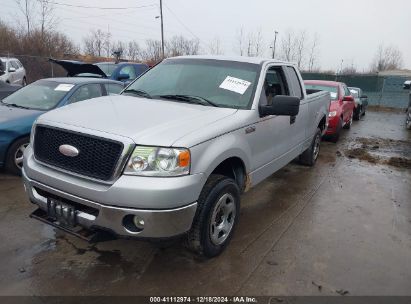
[
  {"x": 12, "y": 70},
  {"x": 123, "y": 77},
  {"x": 282, "y": 106},
  {"x": 348, "y": 98}
]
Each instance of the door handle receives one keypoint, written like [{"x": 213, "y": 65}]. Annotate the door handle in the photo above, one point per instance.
[{"x": 293, "y": 119}]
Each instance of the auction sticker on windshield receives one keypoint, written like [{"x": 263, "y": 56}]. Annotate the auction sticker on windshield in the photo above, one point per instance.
[
  {"x": 65, "y": 87},
  {"x": 235, "y": 85}
]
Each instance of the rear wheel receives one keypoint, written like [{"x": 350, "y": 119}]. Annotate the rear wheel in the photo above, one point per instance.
[
  {"x": 309, "y": 156},
  {"x": 217, "y": 215},
  {"x": 14, "y": 158},
  {"x": 408, "y": 120},
  {"x": 357, "y": 113},
  {"x": 24, "y": 82},
  {"x": 349, "y": 123}
]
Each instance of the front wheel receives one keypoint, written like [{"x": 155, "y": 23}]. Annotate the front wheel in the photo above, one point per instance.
[
  {"x": 357, "y": 113},
  {"x": 217, "y": 215},
  {"x": 14, "y": 158},
  {"x": 309, "y": 156},
  {"x": 24, "y": 82},
  {"x": 408, "y": 120},
  {"x": 349, "y": 123}
]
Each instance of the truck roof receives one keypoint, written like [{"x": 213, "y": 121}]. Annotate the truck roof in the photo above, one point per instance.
[{"x": 255, "y": 60}]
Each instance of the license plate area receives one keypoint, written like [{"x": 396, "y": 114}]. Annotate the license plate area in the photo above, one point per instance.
[{"x": 65, "y": 214}]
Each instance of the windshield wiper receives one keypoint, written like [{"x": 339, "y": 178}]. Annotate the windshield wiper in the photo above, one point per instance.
[
  {"x": 15, "y": 105},
  {"x": 138, "y": 92},
  {"x": 191, "y": 99}
]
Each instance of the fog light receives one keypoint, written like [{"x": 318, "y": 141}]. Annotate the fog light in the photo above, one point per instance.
[{"x": 139, "y": 222}]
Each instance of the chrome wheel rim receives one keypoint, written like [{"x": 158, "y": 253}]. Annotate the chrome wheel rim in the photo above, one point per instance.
[
  {"x": 222, "y": 219},
  {"x": 317, "y": 143},
  {"x": 19, "y": 154}
]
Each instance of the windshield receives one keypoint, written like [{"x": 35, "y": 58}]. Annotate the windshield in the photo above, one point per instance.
[
  {"x": 41, "y": 95},
  {"x": 222, "y": 83},
  {"x": 107, "y": 67},
  {"x": 333, "y": 90}
]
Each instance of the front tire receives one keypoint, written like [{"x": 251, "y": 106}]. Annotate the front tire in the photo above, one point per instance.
[
  {"x": 14, "y": 158},
  {"x": 24, "y": 82},
  {"x": 349, "y": 123},
  {"x": 357, "y": 113},
  {"x": 309, "y": 156},
  {"x": 336, "y": 136},
  {"x": 408, "y": 120},
  {"x": 216, "y": 218}
]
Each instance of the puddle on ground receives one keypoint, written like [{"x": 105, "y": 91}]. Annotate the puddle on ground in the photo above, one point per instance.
[{"x": 395, "y": 153}]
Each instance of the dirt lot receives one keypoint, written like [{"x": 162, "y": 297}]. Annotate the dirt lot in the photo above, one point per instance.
[{"x": 341, "y": 228}]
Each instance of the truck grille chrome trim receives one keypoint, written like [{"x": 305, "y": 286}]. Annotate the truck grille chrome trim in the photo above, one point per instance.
[{"x": 99, "y": 158}]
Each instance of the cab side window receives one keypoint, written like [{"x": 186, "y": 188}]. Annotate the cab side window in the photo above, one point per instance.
[
  {"x": 274, "y": 84},
  {"x": 87, "y": 91},
  {"x": 346, "y": 91},
  {"x": 295, "y": 83}
]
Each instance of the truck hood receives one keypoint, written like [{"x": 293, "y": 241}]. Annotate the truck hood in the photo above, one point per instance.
[
  {"x": 74, "y": 68},
  {"x": 145, "y": 121}
]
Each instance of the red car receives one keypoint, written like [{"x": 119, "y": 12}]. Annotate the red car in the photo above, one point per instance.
[{"x": 341, "y": 107}]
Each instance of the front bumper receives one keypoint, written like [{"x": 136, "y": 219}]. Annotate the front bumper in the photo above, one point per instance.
[
  {"x": 332, "y": 125},
  {"x": 157, "y": 223}
]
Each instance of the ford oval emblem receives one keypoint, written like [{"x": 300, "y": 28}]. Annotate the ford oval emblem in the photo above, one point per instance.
[{"x": 69, "y": 151}]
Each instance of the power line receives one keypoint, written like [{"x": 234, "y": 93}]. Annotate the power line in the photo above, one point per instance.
[
  {"x": 181, "y": 22},
  {"x": 102, "y": 8}
]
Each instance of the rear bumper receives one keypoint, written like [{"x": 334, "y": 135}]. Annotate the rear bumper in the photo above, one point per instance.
[{"x": 157, "y": 223}]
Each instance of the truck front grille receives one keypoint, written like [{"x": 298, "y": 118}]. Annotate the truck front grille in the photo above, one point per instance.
[{"x": 97, "y": 157}]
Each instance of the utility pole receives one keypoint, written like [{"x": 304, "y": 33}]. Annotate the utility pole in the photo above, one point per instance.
[
  {"x": 162, "y": 29},
  {"x": 275, "y": 42}
]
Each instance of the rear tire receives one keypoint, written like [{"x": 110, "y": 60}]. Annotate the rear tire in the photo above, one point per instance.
[
  {"x": 216, "y": 217},
  {"x": 24, "y": 82},
  {"x": 357, "y": 113},
  {"x": 309, "y": 156},
  {"x": 14, "y": 158}
]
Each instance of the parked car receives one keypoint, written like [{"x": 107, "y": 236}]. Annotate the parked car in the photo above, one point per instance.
[
  {"x": 19, "y": 110},
  {"x": 123, "y": 71},
  {"x": 341, "y": 109},
  {"x": 13, "y": 71},
  {"x": 6, "y": 89},
  {"x": 172, "y": 155},
  {"x": 361, "y": 102},
  {"x": 407, "y": 86}
]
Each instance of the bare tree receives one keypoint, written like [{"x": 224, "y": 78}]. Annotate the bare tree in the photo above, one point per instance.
[
  {"x": 47, "y": 17},
  {"x": 215, "y": 47},
  {"x": 107, "y": 44},
  {"x": 240, "y": 41},
  {"x": 258, "y": 43},
  {"x": 288, "y": 46},
  {"x": 27, "y": 8},
  {"x": 178, "y": 45},
  {"x": 133, "y": 50},
  {"x": 387, "y": 58},
  {"x": 152, "y": 51},
  {"x": 312, "y": 59},
  {"x": 300, "y": 49},
  {"x": 94, "y": 43}
]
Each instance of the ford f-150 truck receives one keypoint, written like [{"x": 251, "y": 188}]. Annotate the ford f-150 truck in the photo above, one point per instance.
[{"x": 172, "y": 154}]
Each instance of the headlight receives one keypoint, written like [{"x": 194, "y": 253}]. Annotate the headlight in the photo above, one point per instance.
[
  {"x": 158, "y": 161},
  {"x": 332, "y": 114}
]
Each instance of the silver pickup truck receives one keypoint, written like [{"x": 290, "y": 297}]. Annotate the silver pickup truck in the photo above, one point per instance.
[{"x": 172, "y": 154}]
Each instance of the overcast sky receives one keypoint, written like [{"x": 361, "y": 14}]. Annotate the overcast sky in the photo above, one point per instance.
[{"x": 348, "y": 30}]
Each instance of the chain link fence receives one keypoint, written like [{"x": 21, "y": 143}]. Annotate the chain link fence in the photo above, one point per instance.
[{"x": 384, "y": 91}]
